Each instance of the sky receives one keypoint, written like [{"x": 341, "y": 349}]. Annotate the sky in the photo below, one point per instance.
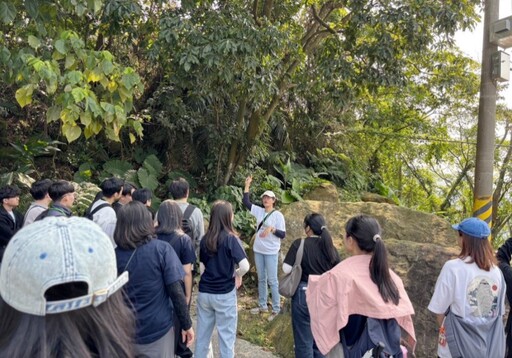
[{"x": 470, "y": 42}]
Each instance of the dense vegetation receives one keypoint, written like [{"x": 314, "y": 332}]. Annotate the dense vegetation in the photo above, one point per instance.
[{"x": 371, "y": 95}]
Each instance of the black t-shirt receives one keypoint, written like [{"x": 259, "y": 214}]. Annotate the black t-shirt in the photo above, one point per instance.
[
  {"x": 314, "y": 260},
  {"x": 219, "y": 273}
]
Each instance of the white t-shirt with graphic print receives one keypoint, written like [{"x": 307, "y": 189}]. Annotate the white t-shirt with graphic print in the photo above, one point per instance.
[
  {"x": 270, "y": 244},
  {"x": 470, "y": 293}
]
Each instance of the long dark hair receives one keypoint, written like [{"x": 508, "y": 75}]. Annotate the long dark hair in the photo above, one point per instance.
[
  {"x": 366, "y": 231},
  {"x": 169, "y": 218},
  {"x": 221, "y": 222},
  {"x": 134, "y": 226},
  {"x": 104, "y": 331},
  {"x": 317, "y": 224}
]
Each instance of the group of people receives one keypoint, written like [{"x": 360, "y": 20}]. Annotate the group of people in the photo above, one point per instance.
[{"x": 60, "y": 280}]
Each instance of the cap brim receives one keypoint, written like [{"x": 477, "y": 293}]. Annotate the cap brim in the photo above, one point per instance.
[{"x": 456, "y": 227}]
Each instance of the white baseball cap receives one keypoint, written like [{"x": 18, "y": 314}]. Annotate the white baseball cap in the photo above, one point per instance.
[
  {"x": 55, "y": 251},
  {"x": 269, "y": 193}
]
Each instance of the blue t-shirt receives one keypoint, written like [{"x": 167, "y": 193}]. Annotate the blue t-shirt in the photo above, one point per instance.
[
  {"x": 182, "y": 245},
  {"x": 153, "y": 266},
  {"x": 219, "y": 273}
]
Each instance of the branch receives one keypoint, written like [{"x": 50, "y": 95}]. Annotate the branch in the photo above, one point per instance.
[
  {"x": 255, "y": 12},
  {"x": 451, "y": 192},
  {"x": 322, "y": 22},
  {"x": 267, "y": 8},
  {"x": 501, "y": 177}
]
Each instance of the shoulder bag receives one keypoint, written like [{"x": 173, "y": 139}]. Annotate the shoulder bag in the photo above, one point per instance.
[{"x": 289, "y": 283}]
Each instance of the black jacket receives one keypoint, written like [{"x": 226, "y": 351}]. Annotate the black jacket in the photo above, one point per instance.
[
  {"x": 8, "y": 227},
  {"x": 504, "y": 255}
]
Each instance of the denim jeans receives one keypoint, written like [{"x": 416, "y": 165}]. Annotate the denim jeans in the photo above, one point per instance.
[
  {"x": 266, "y": 266},
  {"x": 305, "y": 346},
  {"x": 219, "y": 310}
]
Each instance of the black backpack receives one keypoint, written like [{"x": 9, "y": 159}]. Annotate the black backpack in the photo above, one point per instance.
[
  {"x": 186, "y": 223},
  {"x": 89, "y": 214}
]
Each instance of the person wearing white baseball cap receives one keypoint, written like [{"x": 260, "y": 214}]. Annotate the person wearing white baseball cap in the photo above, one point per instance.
[
  {"x": 469, "y": 297},
  {"x": 59, "y": 293},
  {"x": 270, "y": 231}
]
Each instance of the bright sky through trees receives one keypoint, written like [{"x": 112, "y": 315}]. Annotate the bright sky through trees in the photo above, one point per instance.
[{"x": 470, "y": 42}]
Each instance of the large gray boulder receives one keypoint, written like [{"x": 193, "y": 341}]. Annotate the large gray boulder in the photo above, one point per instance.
[{"x": 418, "y": 243}]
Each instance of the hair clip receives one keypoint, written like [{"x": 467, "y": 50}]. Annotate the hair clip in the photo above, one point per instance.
[
  {"x": 323, "y": 228},
  {"x": 376, "y": 237}
]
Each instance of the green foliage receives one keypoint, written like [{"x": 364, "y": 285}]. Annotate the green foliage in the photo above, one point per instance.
[
  {"x": 91, "y": 92},
  {"x": 146, "y": 176},
  {"x": 86, "y": 192},
  {"x": 386, "y": 191},
  {"x": 244, "y": 222},
  {"x": 20, "y": 160},
  {"x": 53, "y": 63},
  {"x": 23, "y": 154},
  {"x": 202, "y": 204},
  {"x": 293, "y": 93}
]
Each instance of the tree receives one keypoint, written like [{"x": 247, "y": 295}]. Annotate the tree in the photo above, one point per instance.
[
  {"x": 231, "y": 63},
  {"x": 49, "y": 59}
]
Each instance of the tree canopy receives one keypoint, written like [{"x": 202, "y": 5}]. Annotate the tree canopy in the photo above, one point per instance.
[{"x": 372, "y": 95}]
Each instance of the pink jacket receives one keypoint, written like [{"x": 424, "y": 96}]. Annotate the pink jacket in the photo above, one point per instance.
[{"x": 348, "y": 289}]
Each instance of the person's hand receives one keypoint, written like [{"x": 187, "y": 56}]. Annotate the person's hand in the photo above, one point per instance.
[
  {"x": 248, "y": 182},
  {"x": 267, "y": 231},
  {"x": 188, "y": 336},
  {"x": 238, "y": 281}
]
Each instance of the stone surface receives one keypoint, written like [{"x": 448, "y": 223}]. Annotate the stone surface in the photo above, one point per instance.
[
  {"x": 324, "y": 192},
  {"x": 418, "y": 243},
  {"x": 376, "y": 198}
]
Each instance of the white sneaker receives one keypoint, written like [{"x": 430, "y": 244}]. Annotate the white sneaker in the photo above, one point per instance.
[
  {"x": 258, "y": 310},
  {"x": 272, "y": 316}
]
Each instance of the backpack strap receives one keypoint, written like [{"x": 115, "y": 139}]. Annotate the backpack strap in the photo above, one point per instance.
[
  {"x": 98, "y": 208},
  {"x": 188, "y": 211},
  {"x": 30, "y": 209}
]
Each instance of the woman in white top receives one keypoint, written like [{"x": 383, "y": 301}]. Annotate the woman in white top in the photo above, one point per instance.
[
  {"x": 270, "y": 231},
  {"x": 469, "y": 297}
]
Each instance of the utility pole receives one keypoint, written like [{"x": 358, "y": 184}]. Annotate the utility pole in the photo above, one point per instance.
[{"x": 482, "y": 204}]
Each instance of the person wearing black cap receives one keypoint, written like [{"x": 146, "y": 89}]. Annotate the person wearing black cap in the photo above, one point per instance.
[
  {"x": 469, "y": 297},
  {"x": 10, "y": 219}
]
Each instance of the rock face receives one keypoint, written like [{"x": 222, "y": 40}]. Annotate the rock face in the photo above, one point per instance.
[
  {"x": 324, "y": 192},
  {"x": 418, "y": 243}
]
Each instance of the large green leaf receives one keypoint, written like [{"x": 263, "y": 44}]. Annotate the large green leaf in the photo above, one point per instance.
[
  {"x": 34, "y": 42},
  {"x": 153, "y": 165},
  {"x": 71, "y": 132},
  {"x": 147, "y": 180},
  {"x": 53, "y": 113},
  {"x": 117, "y": 168},
  {"x": 24, "y": 95},
  {"x": 7, "y": 12}
]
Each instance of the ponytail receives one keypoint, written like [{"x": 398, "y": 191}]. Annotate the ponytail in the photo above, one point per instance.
[
  {"x": 379, "y": 272},
  {"x": 365, "y": 230},
  {"x": 316, "y": 223},
  {"x": 328, "y": 247}
]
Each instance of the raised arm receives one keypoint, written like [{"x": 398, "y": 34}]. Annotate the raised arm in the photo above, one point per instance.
[{"x": 246, "y": 201}]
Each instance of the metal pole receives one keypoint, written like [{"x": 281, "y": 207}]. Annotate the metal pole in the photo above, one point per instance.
[{"x": 482, "y": 204}]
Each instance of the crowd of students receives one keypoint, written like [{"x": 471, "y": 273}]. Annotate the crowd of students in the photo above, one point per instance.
[{"x": 60, "y": 280}]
